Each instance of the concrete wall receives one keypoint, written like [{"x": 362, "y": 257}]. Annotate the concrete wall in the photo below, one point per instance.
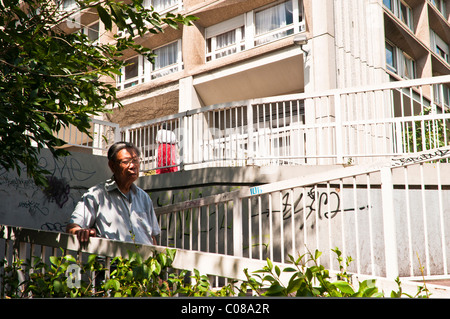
[
  {"x": 27, "y": 205},
  {"x": 176, "y": 187}
]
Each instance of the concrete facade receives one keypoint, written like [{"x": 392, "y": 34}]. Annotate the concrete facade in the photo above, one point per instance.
[{"x": 346, "y": 47}]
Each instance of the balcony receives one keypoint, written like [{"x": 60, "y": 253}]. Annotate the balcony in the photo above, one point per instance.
[{"x": 351, "y": 126}]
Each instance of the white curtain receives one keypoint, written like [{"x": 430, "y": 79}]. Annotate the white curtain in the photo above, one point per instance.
[
  {"x": 166, "y": 55},
  {"x": 225, "y": 39},
  {"x": 68, "y": 3},
  {"x": 161, "y": 5},
  {"x": 273, "y": 18}
]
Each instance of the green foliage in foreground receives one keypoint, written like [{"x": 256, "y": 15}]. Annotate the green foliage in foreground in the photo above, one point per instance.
[{"x": 154, "y": 277}]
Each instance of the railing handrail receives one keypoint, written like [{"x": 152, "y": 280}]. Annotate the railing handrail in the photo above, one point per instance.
[
  {"x": 312, "y": 179},
  {"x": 207, "y": 263},
  {"x": 189, "y": 212},
  {"x": 298, "y": 96}
]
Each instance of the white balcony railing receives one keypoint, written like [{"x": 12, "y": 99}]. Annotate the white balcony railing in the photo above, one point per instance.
[
  {"x": 103, "y": 135},
  {"x": 390, "y": 217},
  {"x": 357, "y": 125}
]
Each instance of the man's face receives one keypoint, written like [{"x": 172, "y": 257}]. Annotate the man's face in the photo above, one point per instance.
[{"x": 126, "y": 166}]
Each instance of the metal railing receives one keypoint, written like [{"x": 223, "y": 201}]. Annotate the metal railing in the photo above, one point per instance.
[
  {"x": 17, "y": 243},
  {"x": 357, "y": 125},
  {"x": 390, "y": 217},
  {"x": 103, "y": 134}
]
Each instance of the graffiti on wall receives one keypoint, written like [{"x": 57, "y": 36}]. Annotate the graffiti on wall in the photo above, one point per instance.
[
  {"x": 306, "y": 206},
  {"x": 29, "y": 205},
  {"x": 324, "y": 204}
]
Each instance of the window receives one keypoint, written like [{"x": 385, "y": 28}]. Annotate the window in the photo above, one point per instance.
[
  {"x": 225, "y": 38},
  {"x": 271, "y": 23},
  {"x": 391, "y": 60},
  {"x": 401, "y": 10},
  {"x": 226, "y": 43},
  {"x": 139, "y": 70},
  {"x": 160, "y": 6},
  {"x": 69, "y": 4},
  {"x": 408, "y": 69},
  {"x": 406, "y": 15},
  {"x": 92, "y": 31},
  {"x": 439, "y": 46},
  {"x": 441, "y": 95},
  {"x": 440, "y": 5},
  {"x": 254, "y": 28},
  {"x": 168, "y": 60},
  {"x": 133, "y": 73},
  {"x": 400, "y": 62}
]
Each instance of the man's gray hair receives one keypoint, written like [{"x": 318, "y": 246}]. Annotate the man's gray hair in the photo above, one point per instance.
[{"x": 118, "y": 146}]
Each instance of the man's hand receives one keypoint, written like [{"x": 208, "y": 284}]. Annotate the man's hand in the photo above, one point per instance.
[{"x": 83, "y": 234}]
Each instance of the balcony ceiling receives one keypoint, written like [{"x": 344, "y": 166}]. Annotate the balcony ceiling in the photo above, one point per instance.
[{"x": 274, "y": 74}]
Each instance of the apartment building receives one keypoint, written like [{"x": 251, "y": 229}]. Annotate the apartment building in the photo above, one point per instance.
[
  {"x": 245, "y": 49},
  {"x": 248, "y": 49},
  {"x": 236, "y": 50}
]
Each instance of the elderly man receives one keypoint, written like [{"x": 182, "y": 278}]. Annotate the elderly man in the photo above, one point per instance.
[{"x": 117, "y": 209}]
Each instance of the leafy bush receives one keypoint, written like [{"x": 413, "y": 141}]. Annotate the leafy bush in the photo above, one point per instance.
[
  {"x": 136, "y": 277},
  {"x": 303, "y": 282}
]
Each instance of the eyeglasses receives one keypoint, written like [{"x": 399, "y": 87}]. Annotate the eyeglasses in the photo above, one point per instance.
[{"x": 127, "y": 162}]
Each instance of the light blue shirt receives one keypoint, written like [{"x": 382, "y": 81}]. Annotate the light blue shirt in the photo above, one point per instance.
[{"x": 117, "y": 216}]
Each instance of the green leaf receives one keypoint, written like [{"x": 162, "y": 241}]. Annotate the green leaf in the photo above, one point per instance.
[
  {"x": 70, "y": 258},
  {"x": 317, "y": 254},
  {"x": 277, "y": 271},
  {"x": 118, "y": 14},
  {"x": 91, "y": 259},
  {"x": 57, "y": 286},
  {"x": 163, "y": 259},
  {"x": 105, "y": 17},
  {"x": 129, "y": 276},
  {"x": 45, "y": 127},
  {"x": 269, "y": 278},
  {"x": 188, "y": 20},
  {"x": 344, "y": 287},
  {"x": 293, "y": 285},
  {"x": 269, "y": 264},
  {"x": 54, "y": 260},
  {"x": 275, "y": 290},
  {"x": 112, "y": 284}
]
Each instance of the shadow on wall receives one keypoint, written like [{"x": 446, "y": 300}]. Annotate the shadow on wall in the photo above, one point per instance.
[{"x": 165, "y": 189}]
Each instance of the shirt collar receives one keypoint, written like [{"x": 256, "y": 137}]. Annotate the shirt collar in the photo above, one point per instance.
[{"x": 111, "y": 185}]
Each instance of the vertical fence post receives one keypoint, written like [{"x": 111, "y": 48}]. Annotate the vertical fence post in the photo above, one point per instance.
[
  {"x": 338, "y": 121},
  {"x": 389, "y": 229},
  {"x": 237, "y": 226},
  {"x": 250, "y": 149},
  {"x": 117, "y": 133},
  {"x": 181, "y": 141},
  {"x": 126, "y": 134}
]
